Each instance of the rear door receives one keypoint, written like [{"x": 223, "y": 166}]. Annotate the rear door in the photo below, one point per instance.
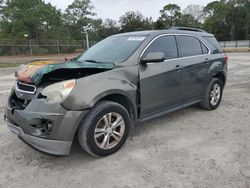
[
  {"x": 194, "y": 62},
  {"x": 160, "y": 82}
]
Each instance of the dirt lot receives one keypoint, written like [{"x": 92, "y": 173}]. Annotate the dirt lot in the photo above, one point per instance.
[{"x": 187, "y": 148}]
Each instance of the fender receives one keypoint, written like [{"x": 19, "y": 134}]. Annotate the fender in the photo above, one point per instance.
[
  {"x": 91, "y": 89},
  {"x": 127, "y": 94},
  {"x": 215, "y": 68}
]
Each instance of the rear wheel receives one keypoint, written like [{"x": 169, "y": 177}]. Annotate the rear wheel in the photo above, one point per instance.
[
  {"x": 104, "y": 129},
  {"x": 212, "y": 97}
]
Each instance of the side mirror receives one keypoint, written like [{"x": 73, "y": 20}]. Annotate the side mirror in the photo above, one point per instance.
[{"x": 153, "y": 57}]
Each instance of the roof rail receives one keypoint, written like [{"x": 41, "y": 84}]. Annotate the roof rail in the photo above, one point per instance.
[{"x": 187, "y": 29}]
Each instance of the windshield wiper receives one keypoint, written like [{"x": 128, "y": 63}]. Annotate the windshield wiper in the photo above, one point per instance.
[
  {"x": 99, "y": 62},
  {"x": 92, "y": 61}
]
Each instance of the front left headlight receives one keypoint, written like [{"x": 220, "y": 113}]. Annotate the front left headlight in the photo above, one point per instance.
[{"x": 59, "y": 91}]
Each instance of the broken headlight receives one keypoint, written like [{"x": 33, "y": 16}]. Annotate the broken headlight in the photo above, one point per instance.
[{"x": 59, "y": 91}]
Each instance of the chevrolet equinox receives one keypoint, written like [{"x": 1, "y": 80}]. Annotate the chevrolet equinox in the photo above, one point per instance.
[{"x": 121, "y": 81}]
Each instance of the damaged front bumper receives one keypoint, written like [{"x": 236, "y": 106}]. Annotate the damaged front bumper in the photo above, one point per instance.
[
  {"x": 46, "y": 126},
  {"x": 54, "y": 147}
]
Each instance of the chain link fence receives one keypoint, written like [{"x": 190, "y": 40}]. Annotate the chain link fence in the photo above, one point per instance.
[
  {"x": 235, "y": 44},
  {"x": 32, "y": 47}
]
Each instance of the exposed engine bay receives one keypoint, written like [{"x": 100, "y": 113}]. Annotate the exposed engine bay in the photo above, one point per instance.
[{"x": 44, "y": 72}]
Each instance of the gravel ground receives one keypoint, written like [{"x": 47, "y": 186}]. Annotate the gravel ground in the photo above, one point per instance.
[{"x": 187, "y": 148}]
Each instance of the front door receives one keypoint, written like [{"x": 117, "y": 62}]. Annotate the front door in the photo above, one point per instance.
[{"x": 160, "y": 82}]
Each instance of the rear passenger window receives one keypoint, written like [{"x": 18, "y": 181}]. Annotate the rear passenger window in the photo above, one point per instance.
[
  {"x": 166, "y": 45},
  {"x": 189, "y": 46}
]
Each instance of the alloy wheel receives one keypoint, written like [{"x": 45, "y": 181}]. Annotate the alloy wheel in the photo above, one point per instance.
[
  {"x": 109, "y": 130},
  {"x": 215, "y": 94}
]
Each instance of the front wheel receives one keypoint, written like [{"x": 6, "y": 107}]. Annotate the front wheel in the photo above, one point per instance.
[
  {"x": 104, "y": 129},
  {"x": 212, "y": 98}
]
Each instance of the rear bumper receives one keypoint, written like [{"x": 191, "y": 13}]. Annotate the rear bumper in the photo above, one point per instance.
[{"x": 54, "y": 147}]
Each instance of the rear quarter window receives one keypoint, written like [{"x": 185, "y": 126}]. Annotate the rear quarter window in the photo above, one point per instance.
[
  {"x": 204, "y": 48},
  {"x": 216, "y": 48}
]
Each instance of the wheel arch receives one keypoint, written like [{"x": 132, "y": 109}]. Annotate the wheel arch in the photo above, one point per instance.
[
  {"x": 122, "y": 99},
  {"x": 221, "y": 76}
]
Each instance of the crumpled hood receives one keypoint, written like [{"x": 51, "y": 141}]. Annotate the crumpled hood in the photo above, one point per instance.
[{"x": 34, "y": 71}]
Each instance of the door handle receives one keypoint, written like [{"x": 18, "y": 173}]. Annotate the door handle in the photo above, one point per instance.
[
  {"x": 207, "y": 60},
  {"x": 178, "y": 67}
]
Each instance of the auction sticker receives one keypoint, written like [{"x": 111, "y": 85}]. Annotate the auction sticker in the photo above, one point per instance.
[{"x": 136, "y": 38}]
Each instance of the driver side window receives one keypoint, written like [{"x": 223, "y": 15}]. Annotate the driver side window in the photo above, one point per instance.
[{"x": 164, "y": 44}]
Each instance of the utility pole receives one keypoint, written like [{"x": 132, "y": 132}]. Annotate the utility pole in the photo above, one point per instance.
[
  {"x": 85, "y": 30},
  {"x": 31, "y": 53},
  {"x": 30, "y": 45},
  {"x": 87, "y": 39},
  {"x": 58, "y": 47}
]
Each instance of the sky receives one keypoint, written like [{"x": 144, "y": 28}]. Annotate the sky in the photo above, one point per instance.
[{"x": 115, "y": 8}]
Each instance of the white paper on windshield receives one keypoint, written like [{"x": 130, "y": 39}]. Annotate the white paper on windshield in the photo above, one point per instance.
[{"x": 136, "y": 38}]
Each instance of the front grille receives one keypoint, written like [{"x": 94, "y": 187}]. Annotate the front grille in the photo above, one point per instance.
[
  {"x": 25, "y": 88},
  {"x": 17, "y": 103}
]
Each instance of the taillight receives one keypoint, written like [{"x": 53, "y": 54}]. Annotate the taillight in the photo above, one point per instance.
[{"x": 225, "y": 58}]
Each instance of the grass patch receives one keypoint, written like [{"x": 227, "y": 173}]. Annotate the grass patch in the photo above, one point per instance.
[{"x": 9, "y": 65}]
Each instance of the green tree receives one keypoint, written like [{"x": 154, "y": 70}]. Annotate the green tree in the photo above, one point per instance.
[
  {"x": 80, "y": 9},
  {"x": 135, "y": 21},
  {"x": 247, "y": 9},
  {"x": 169, "y": 16},
  {"x": 77, "y": 16},
  {"x": 187, "y": 20},
  {"x": 35, "y": 18},
  {"x": 227, "y": 19},
  {"x": 1, "y": 3},
  {"x": 106, "y": 28},
  {"x": 244, "y": 8}
]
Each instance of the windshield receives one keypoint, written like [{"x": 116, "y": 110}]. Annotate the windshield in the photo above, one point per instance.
[{"x": 116, "y": 49}]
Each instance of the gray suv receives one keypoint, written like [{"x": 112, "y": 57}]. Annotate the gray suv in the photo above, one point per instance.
[{"x": 121, "y": 81}]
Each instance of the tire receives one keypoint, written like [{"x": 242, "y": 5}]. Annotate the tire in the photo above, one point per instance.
[
  {"x": 207, "y": 102},
  {"x": 98, "y": 132}
]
